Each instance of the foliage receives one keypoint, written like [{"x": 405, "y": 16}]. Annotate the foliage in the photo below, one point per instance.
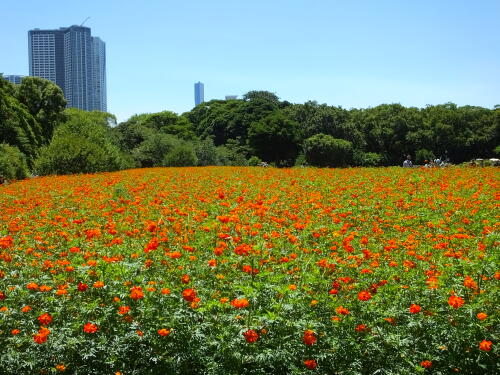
[
  {"x": 275, "y": 139},
  {"x": 17, "y": 126},
  {"x": 13, "y": 164},
  {"x": 44, "y": 101},
  {"x": 323, "y": 150},
  {"x": 251, "y": 271},
  {"x": 82, "y": 144},
  {"x": 182, "y": 155}
]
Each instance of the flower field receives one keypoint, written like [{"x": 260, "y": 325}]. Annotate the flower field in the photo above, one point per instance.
[{"x": 229, "y": 270}]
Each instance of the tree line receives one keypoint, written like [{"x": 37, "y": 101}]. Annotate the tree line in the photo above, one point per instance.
[{"x": 39, "y": 135}]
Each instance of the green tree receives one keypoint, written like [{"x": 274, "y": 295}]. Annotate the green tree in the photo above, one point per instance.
[
  {"x": 83, "y": 144},
  {"x": 275, "y": 139},
  {"x": 45, "y": 101},
  {"x": 323, "y": 150},
  {"x": 13, "y": 164},
  {"x": 17, "y": 126},
  {"x": 182, "y": 155}
]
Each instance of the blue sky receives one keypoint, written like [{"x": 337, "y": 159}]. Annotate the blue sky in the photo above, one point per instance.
[{"x": 349, "y": 53}]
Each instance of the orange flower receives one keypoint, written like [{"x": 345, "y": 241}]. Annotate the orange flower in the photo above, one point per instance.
[
  {"x": 45, "y": 319},
  {"x": 185, "y": 279},
  {"x": 481, "y": 316},
  {"x": 15, "y": 332},
  {"x": 485, "y": 345},
  {"x": 189, "y": 295},
  {"x": 98, "y": 284},
  {"x": 342, "y": 310},
  {"x": 122, "y": 310},
  {"x": 364, "y": 295},
  {"x": 136, "y": 293},
  {"x": 39, "y": 338},
  {"x": 309, "y": 337},
  {"x": 310, "y": 364},
  {"x": 426, "y": 364},
  {"x": 415, "y": 309},
  {"x": 60, "y": 367},
  {"x": 362, "y": 328},
  {"x": 455, "y": 301},
  {"x": 82, "y": 287},
  {"x": 163, "y": 332},
  {"x": 32, "y": 286},
  {"x": 26, "y": 309},
  {"x": 239, "y": 303},
  {"x": 470, "y": 283},
  {"x": 292, "y": 287},
  {"x": 250, "y": 335},
  {"x": 90, "y": 328},
  {"x": 165, "y": 291}
]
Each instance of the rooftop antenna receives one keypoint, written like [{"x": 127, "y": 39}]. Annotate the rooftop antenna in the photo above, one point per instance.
[{"x": 86, "y": 19}]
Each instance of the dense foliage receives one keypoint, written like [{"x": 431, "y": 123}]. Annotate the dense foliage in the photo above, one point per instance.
[
  {"x": 251, "y": 271},
  {"x": 239, "y": 132}
]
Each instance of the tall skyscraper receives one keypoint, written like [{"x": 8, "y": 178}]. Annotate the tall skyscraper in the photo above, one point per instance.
[
  {"x": 99, "y": 73},
  {"x": 199, "y": 93},
  {"x": 74, "y": 60}
]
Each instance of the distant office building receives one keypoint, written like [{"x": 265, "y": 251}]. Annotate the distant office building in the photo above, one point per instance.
[
  {"x": 67, "y": 57},
  {"x": 231, "y": 97},
  {"x": 14, "y": 78},
  {"x": 99, "y": 73},
  {"x": 199, "y": 93}
]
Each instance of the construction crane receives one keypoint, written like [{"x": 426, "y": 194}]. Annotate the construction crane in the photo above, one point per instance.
[{"x": 86, "y": 19}]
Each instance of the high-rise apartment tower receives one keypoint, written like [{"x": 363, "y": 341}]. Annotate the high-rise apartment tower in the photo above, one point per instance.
[
  {"x": 199, "y": 93},
  {"x": 74, "y": 60}
]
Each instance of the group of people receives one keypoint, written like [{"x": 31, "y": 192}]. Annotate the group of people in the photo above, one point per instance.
[{"x": 439, "y": 162}]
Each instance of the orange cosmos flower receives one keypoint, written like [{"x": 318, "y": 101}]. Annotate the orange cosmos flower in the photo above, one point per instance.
[
  {"x": 362, "y": 328},
  {"x": 455, "y": 301},
  {"x": 292, "y": 287},
  {"x": 122, "y": 310},
  {"x": 189, "y": 294},
  {"x": 98, "y": 284},
  {"x": 26, "y": 308},
  {"x": 39, "y": 338},
  {"x": 239, "y": 303},
  {"x": 342, "y": 310},
  {"x": 250, "y": 335},
  {"x": 481, "y": 316},
  {"x": 45, "y": 319},
  {"x": 15, "y": 332},
  {"x": 310, "y": 364},
  {"x": 415, "y": 309},
  {"x": 136, "y": 293},
  {"x": 32, "y": 286},
  {"x": 165, "y": 291},
  {"x": 485, "y": 345},
  {"x": 470, "y": 283},
  {"x": 90, "y": 328},
  {"x": 364, "y": 295},
  {"x": 82, "y": 287},
  {"x": 309, "y": 337},
  {"x": 426, "y": 364},
  {"x": 60, "y": 367},
  {"x": 163, "y": 332}
]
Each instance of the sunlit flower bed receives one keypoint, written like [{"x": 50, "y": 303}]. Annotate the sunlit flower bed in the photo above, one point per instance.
[{"x": 251, "y": 270}]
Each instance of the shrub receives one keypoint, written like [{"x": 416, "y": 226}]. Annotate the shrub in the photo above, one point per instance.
[
  {"x": 181, "y": 156},
  {"x": 254, "y": 161},
  {"x": 13, "y": 164},
  {"x": 325, "y": 151},
  {"x": 69, "y": 154},
  {"x": 367, "y": 159}
]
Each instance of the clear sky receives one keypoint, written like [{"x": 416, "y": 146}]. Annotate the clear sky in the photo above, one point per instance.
[{"x": 350, "y": 53}]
